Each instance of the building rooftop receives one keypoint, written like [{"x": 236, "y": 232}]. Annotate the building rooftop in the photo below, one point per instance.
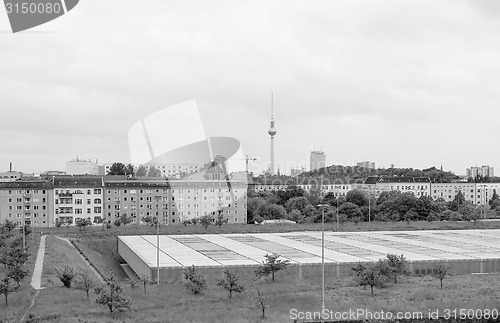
[{"x": 220, "y": 250}]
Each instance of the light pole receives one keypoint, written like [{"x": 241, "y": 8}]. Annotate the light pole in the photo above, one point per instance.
[
  {"x": 157, "y": 241},
  {"x": 322, "y": 206},
  {"x": 483, "y": 200},
  {"x": 337, "y": 198}
]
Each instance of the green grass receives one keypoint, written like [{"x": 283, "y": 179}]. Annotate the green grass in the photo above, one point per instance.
[
  {"x": 58, "y": 254},
  {"x": 19, "y": 302},
  {"x": 173, "y": 303}
]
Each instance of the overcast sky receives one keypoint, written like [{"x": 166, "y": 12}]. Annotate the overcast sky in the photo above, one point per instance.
[{"x": 410, "y": 83}]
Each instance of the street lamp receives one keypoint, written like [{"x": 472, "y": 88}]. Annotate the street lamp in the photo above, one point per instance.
[
  {"x": 337, "y": 198},
  {"x": 157, "y": 241},
  {"x": 322, "y": 206},
  {"x": 483, "y": 200}
]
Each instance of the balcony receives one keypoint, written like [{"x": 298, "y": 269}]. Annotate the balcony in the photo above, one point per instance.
[{"x": 65, "y": 194}]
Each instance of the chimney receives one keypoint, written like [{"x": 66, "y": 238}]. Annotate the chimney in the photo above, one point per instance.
[{"x": 10, "y": 168}]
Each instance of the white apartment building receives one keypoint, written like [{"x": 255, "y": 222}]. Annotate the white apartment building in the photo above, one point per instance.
[
  {"x": 82, "y": 167},
  {"x": 419, "y": 186},
  {"x": 168, "y": 170},
  {"x": 476, "y": 193},
  {"x": 78, "y": 197}
]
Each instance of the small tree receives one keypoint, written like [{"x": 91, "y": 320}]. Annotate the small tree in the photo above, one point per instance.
[
  {"x": 271, "y": 265},
  {"x": 17, "y": 273},
  {"x": 6, "y": 289},
  {"x": 112, "y": 295},
  {"x": 125, "y": 219},
  {"x": 206, "y": 221},
  {"x": 219, "y": 221},
  {"x": 397, "y": 264},
  {"x": 440, "y": 273},
  {"x": 65, "y": 275},
  {"x": 261, "y": 301},
  {"x": 86, "y": 283},
  {"x": 9, "y": 225},
  {"x": 230, "y": 283},
  {"x": 145, "y": 282},
  {"x": 195, "y": 282},
  {"x": 370, "y": 275}
]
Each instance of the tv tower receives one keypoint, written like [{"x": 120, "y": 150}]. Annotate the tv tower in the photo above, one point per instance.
[{"x": 272, "y": 132}]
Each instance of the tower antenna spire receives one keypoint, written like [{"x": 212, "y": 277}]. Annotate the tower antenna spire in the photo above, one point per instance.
[
  {"x": 272, "y": 132},
  {"x": 272, "y": 106}
]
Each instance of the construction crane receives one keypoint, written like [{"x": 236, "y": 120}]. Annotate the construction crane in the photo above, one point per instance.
[{"x": 247, "y": 159}]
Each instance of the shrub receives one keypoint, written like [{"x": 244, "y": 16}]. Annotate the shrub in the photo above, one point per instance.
[
  {"x": 66, "y": 276},
  {"x": 195, "y": 283}
]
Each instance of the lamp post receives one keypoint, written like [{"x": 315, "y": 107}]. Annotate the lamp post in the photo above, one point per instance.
[
  {"x": 337, "y": 198},
  {"x": 322, "y": 206},
  {"x": 483, "y": 200},
  {"x": 157, "y": 241}
]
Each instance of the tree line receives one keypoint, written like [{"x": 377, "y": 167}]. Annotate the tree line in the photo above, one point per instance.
[{"x": 302, "y": 207}]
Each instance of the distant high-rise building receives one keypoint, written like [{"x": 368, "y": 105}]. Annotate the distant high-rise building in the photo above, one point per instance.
[
  {"x": 82, "y": 167},
  {"x": 272, "y": 132},
  {"x": 366, "y": 164},
  {"x": 484, "y": 171},
  {"x": 296, "y": 171},
  {"x": 317, "y": 159}
]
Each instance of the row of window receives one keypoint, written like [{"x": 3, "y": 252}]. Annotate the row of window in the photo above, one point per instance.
[{"x": 89, "y": 192}]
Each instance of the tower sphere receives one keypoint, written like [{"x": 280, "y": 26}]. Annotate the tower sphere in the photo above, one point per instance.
[{"x": 271, "y": 131}]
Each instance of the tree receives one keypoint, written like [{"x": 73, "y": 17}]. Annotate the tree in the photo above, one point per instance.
[
  {"x": 410, "y": 216},
  {"x": 9, "y": 226},
  {"x": 112, "y": 296},
  {"x": 149, "y": 220},
  {"x": 145, "y": 282},
  {"x": 129, "y": 170},
  {"x": 195, "y": 282},
  {"x": 82, "y": 223},
  {"x": 141, "y": 171},
  {"x": 494, "y": 202},
  {"x": 457, "y": 202},
  {"x": 219, "y": 221},
  {"x": 350, "y": 210},
  {"x": 297, "y": 203},
  {"x": 117, "y": 169},
  {"x": 370, "y": 275},
  {"x": 270, "y": 211},
  {"x": 86, "y": 283},
  {"x": 295, "y": 215},
  {"x": 17, "y": 273},
  {"x": 206, "y": 221},
  {"x": 261, "y": 301},
  {"x": 125, "y": 219},
  {"x": 6, "y": 289},
  {"x": 271, "y": 265},
  {"x": 230, "y": 283},
  {"x": 397, "y": 264},
  {"x": 154, "y": 172},
  {"x": 357, "y": 197},
  {"x": 440, "y": 273},
  {"x": 65, "y": 275}
]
